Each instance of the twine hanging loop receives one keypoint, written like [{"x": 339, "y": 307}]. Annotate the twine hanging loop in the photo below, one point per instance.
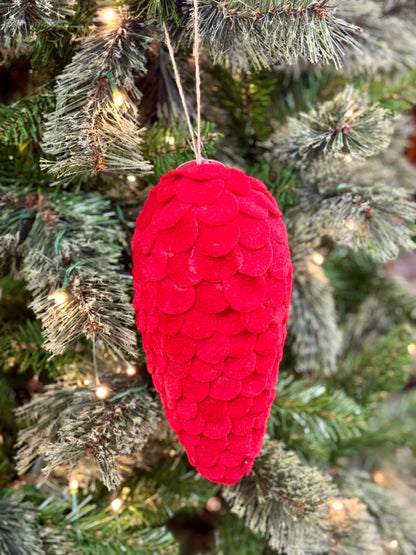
[{"x": 196, "y": 142}]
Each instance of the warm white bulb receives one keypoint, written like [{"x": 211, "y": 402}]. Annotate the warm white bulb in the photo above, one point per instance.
[
  {"x": 108, "y": 14},
  {"x": 130, "y": 370},
  {"x": 337, "y": 505},
  {"x": 118, "y": 99},
  {"x": 411, "y": 348},
  {"x": 378, "y": 477},
  {"x": 350, "y": 225},
  {"x": 213, "y": 504},
  {"x": 101, "y": 392},
  {"x": 60, "y": 297},
  {"x": 131, "y": 178},
  {"x": 116, "y": 504},
  {"x": 394, "y": 544},
  {"x": 73, "y": 485},
  {"x": 86, "y": 382},
  {"x": 318, "y": 258}
]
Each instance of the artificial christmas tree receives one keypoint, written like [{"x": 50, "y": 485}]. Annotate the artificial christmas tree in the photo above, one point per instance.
[{"x": 312, "y": 100}]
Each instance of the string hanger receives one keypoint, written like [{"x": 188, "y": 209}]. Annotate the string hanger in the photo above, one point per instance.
[{"x": 196, "y": 142}]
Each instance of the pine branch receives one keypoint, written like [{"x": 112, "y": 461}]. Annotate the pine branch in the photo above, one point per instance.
[
  {"x": 281, "y": 181},
  {"x": 392, "y": 517},
  {"x": 56, "y": 543},
  {"x": 353, "y": 530},
  {"x": 18, "y": 19},
  {"x": 346, "y": 125},
  {"x": 94, "y": 528},
  {"x": 53, "y": 45},
  {"x": 366, "y": 323},
  {"x": 167, "y": 9},
  {"x": 373, "y": 363},
  {"x": 391, "y": 426},
  {"x": 280, "y": 498},
  {"x": 14, "y": 215},
  {"x": 18, "y": 526},
  {"x": 369, "y": 215},
  {"x": 396, "y": 92},
  {"x": 88, "y": 131},
  {"x": 161, "y": 100},
  {"x": 397, "y": 296},
  {"x": 314, "y": 335},
  {"x": 57, "y": 527},
  {"x": 68, "y": 423},
  {"x": 247, "y": 99},
  {"x": 22, "y": 121},
  {"x": 72, "y": 266},
  {"x": 387, "y": 41},
  {"x": 382, "y": 365},
  {"x": 146, "y": 542},
  {"x": 168, "y": 147},
  {"x": 260, "y": 33},
  {"x": 21, "y": 350},
  {"x": 232, "y": 535},
  {"x": 312, "y": 417},
  {"x": 384, "y": 220},
  {"x": 389, "y": 167},
  {"x": 383, "y": 187},
  {"x": 7, "y": 432},
  {"x": 20, "y": 173},
  {"x": 391, "y": 7},
  {"x": 164, "y": 487},
  {"x": 355, "y": 276},
  {"x": 260, "y": 100}
]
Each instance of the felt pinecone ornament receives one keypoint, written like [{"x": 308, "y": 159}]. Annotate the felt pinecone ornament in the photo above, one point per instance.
[{"x": 212, "y": 279}]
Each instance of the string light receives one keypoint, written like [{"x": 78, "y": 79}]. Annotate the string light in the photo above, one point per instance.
[
  {"x": 411, "y": 348},
  {"x": 350, "y": 225},
  {"x": 170, "y": 140},
  {"x": 337, "y": 505},
  {"x": 318, "y": 258},
  {"x": 60, "y": 297},
  {"x": 347, "y": 158},
  {"x": 131, "y": 178},
  {"x": 108, "y": 15},
  {"x": 73, "y": 486},
  {"x": 213, "y": 504},
  {"x": 86, "y": 382},
  {"x": 101, "y": 392},
  {"x": 394, "y": 544},
  {"x": 73, "y": 489},
  {"x": 116, "y": 504},
  {"x": 118, "y": 98},
  {"x": 378, "y": 477},
  {"x": 130, "y": 370}
]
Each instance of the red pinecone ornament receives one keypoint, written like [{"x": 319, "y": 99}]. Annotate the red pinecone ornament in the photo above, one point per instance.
[{"x": 212, "y": 279}]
